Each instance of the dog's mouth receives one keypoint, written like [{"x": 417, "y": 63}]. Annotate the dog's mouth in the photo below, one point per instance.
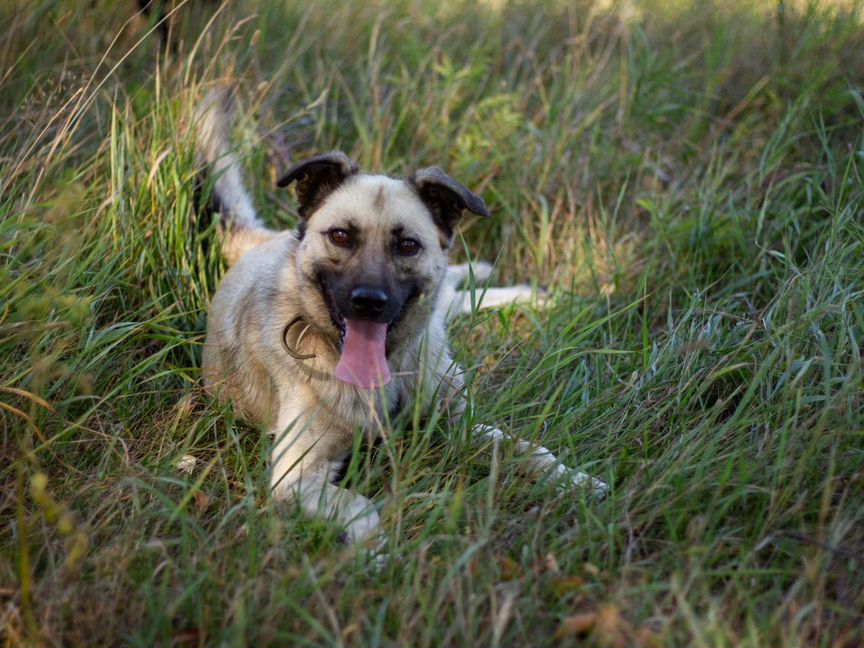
[
  {"x": 335, "y": 316},
  {"x": 362, "y": 346}
]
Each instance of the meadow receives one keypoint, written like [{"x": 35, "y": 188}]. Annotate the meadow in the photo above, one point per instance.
[{"x": 683, "y": 177}]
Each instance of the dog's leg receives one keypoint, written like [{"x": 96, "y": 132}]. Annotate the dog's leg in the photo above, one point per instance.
[
  {"x": 461, "y": 301},
  {"x": 301, "y": 469},
  {"x": 456, "y": 302},
  {"x": 462, "y": 271},
  {"x": 540, "y": 461}
]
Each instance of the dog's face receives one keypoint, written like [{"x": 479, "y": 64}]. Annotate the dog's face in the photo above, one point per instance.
[
  {"x": 373, "y": 251},
  {"x": 372, "y": 255}
]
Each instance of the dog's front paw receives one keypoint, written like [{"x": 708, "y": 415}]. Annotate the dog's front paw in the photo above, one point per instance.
[
  {"x": 375, "y": 555},
  {"x": 361, "y": 522},
  {"x": 578, "y": 479}
]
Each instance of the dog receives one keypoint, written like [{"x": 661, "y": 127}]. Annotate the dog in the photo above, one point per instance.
[{"x": 319, "y": 332}]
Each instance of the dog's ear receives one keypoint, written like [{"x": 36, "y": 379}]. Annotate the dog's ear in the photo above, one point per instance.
[
  {"x": 445, "y": 198},
  {"x": 317, "y": 178}
]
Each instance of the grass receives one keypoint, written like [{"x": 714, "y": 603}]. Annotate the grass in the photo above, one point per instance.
[{"x": 685, "y": 178}]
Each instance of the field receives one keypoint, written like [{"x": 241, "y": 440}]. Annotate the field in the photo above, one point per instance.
[{"x": 685, "y": 179}]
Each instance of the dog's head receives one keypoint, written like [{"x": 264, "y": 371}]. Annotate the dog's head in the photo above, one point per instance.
[{"x": 372, "y": 254}]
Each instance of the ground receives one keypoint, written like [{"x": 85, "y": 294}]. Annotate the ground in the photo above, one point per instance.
[{"x": 683, "y": 177}]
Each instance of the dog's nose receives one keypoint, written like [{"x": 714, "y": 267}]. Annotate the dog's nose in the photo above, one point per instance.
[{"x": 368, "y": 302}]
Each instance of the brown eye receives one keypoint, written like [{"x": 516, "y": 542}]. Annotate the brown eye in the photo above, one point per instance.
[
  {"x": 408, "y": 247},
  {"x": 340, "y": 237}
]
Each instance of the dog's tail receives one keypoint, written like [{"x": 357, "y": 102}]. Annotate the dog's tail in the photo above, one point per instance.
[{"x": 241, "y": 230}]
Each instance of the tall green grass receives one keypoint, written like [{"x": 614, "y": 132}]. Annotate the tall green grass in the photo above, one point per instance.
[{"x": 686, "y": 180}]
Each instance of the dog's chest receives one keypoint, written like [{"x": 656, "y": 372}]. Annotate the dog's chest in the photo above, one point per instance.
[{"x": 358, "y": 409}]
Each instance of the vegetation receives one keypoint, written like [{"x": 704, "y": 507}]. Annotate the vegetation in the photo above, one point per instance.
[{"x": 684, "y": 177}]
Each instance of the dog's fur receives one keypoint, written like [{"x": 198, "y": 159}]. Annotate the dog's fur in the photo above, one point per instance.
[{"x": 275, "y": 326}]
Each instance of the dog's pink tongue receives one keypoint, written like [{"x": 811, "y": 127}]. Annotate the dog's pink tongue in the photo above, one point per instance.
[{"x": 363, "y": 362}]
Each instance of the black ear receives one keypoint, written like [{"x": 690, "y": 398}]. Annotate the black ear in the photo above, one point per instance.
[
  {"x": 317, "y": 177},
  {"x": 445, "y": 198}
]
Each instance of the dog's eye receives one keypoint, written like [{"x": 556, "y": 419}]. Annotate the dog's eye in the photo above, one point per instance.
[
  {"x": 340, "y": 237},
  {"x": 408, "y": 247}
]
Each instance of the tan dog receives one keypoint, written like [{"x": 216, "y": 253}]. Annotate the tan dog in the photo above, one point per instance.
[{"x": 313, "y": 333}]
